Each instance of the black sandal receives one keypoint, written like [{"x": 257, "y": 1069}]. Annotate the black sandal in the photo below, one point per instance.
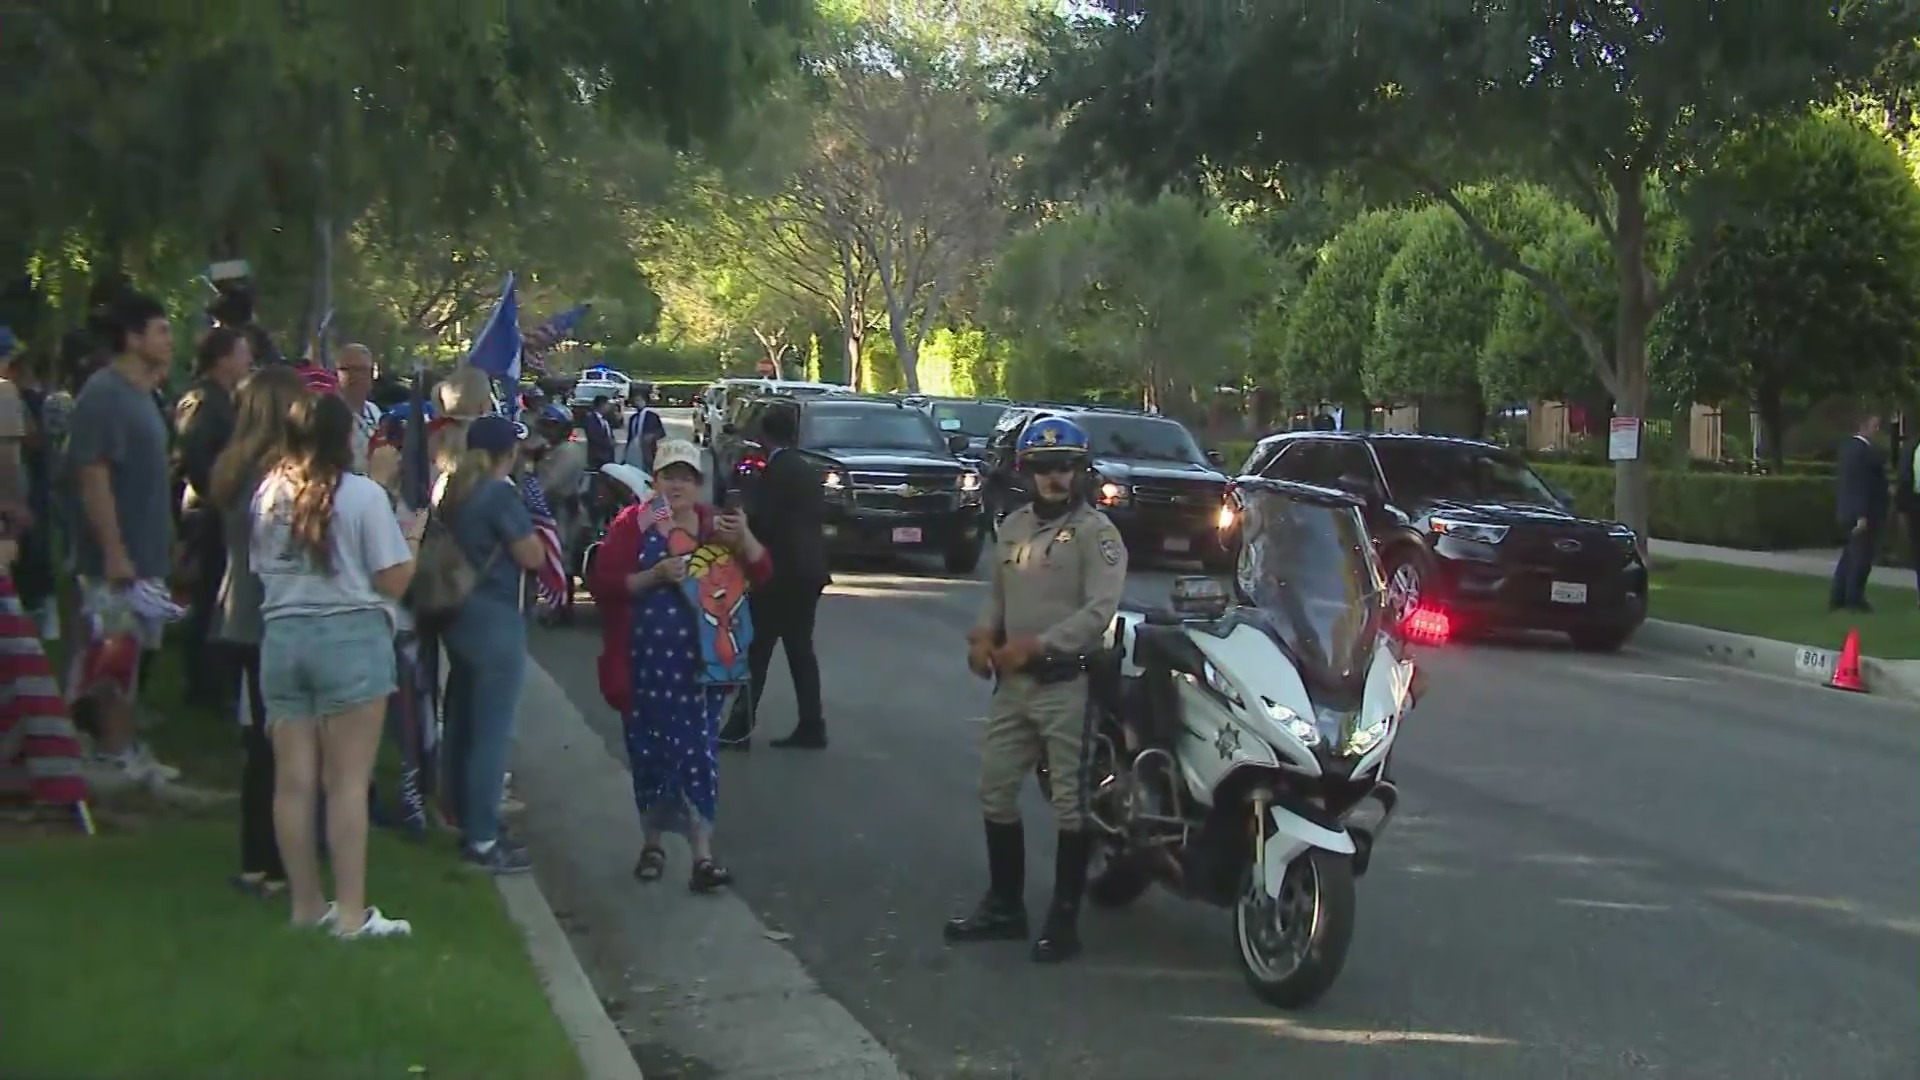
[
  {"x": 708, "y": 876},
  {"x": 263, "y": 888},
  {"x": 652, "y": 865}
]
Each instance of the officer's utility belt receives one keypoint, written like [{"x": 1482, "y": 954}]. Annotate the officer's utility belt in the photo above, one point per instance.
[{"x": 1050, "y": 668}]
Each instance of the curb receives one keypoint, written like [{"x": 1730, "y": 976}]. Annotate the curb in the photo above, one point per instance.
[
  {"x": 603, "y": 1051},
  {"x": 1897, "y": 680}
]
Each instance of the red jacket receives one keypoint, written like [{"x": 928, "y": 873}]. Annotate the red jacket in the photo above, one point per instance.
[{"x": 619, "y": 557}]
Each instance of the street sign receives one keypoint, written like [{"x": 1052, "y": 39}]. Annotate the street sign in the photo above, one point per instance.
[{"x": 1623, "y": 438}]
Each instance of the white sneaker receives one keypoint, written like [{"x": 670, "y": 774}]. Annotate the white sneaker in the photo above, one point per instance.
[
  {"x": 326, "y": 920},
  {"x": 376, "y": 926},
  {"x": 142, "y": 762}
]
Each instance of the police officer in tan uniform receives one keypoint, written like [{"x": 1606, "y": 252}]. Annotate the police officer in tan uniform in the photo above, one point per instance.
[{"x": 1057, "y": 582}]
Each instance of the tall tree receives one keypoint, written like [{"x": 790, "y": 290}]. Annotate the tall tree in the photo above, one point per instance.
[
  {"x": 1600, "y": 99},
  {"x": 1162, "y": 295},
  {"x": 1816, "y": 290},
  {"x": 906, "y": 165},
  {"x": 1328, "y": 327}
]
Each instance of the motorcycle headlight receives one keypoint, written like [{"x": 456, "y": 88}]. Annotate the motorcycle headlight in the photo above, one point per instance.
[
  {"x": 1477, "y": 531},
  {"x": 1218, "y": 684},
  {"x": 1296, "y": 725},
  {"x": 1366, "y": 738},
  {"x": 1225, "y": 518}
]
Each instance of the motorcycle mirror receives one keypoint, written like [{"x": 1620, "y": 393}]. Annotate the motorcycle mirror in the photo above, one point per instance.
[{"x": 1198, "y": 596}]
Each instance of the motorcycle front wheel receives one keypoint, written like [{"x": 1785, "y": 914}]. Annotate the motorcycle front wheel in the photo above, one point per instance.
[{"x": 1293, "y": 946}]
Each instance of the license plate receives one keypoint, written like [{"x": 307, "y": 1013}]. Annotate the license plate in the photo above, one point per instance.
[
  {"x": 906, "y": 536},
  {"x": 1568, "y": 592},
  {"x": 1176, "y": 543}
]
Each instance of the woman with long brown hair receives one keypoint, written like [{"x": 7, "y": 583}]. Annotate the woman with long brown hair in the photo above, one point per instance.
[
  {"x": 487, "y": 639},
  {"x": 331, "y": 557},
  {"x": 259, "y": 438}
]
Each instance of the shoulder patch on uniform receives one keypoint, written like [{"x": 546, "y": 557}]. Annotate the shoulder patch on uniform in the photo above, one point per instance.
[{"x": 1110, "y": 550}]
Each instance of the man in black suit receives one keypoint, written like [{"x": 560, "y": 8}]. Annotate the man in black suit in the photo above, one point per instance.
[
  {"x": 1862, "y": 497},
  {"x": 599, "y": 432},
  {"x": 786, "y": 511}
]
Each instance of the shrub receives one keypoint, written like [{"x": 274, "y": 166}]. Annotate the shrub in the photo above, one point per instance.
[{"x": 1723, "y": 509}]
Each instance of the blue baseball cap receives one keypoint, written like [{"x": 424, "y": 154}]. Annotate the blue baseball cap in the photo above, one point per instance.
[{"x": 494, "y": 434}]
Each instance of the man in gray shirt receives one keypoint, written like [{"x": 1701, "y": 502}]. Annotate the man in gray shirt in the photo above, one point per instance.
[{"x": 117, "y": 454}]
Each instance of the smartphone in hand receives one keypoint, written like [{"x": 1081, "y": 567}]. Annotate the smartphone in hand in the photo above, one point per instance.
[{"x": 734, "y": 502}]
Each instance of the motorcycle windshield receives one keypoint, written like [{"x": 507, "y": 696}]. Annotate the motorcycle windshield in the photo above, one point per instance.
[{"x": 1307, "y": 568}]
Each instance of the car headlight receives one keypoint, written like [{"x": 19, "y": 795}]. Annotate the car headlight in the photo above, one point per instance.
[
  {"x": 1296, "y": 725},
  {"x": 969, "y": 481},
  {"x": 833, "y": 481},
  {"x": 1225, "y": 518},
  {"x": 1112, "y": 494},
  {"x": 1477, "y": 531}
]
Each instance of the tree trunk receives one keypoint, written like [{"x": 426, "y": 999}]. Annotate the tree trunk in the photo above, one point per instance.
[
  {"x": 1630, "y": 502},
  {"x": 907, "y": 348},
  {"x": 1770, "y": 404}
]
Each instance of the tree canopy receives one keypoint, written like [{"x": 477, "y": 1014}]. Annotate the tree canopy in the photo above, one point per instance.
[{"x": 1601, "y": 101}]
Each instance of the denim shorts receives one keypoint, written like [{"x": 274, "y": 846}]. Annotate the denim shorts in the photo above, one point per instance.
[{"x": 320, "y": 665}]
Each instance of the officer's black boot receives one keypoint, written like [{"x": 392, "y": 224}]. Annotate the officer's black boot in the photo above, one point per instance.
[
  {"x": 1059, "y": 938},
  {"x": 1002, "y": 914}
]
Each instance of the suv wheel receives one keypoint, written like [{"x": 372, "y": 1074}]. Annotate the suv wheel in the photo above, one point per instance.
[
  {"x": 1409, "y": 573},
  {"x": 964, "y": 556}
]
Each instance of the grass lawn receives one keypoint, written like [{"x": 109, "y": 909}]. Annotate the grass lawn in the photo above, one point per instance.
[
  {"x": 127, "y": 956},
  {"x": 1785, "y": 606}
]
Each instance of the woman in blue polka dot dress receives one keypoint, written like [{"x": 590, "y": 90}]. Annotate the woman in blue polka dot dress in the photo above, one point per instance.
[{"x": 652, "y": 667}]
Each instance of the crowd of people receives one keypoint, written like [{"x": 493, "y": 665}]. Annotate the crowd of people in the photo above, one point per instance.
[{"x": 264, "y": 523}]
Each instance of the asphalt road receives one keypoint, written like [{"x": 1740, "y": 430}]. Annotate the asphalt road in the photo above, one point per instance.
[{"x": 1605, "y": 866}]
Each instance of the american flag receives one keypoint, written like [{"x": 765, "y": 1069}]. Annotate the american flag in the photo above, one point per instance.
[
  {"x": 537, "y": 342},
  {"x": 551, "y": 580}
]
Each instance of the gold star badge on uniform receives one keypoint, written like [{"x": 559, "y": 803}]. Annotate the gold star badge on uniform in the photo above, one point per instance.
[{"x": 1064, "y": 536}]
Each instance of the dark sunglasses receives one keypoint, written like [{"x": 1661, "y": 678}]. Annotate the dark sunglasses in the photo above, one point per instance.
[{"x": 1051, "y": 468}]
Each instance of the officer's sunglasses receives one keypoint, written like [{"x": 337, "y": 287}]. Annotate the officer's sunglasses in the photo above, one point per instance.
[{"x": 1050, "y": 468}]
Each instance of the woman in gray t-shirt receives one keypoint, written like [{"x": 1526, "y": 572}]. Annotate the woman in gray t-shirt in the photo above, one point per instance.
[{"x": 330, "y": 555}]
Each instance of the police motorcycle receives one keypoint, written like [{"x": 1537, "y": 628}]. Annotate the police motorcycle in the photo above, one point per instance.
[
  {"x": 611, "y": 489},
  {"x": 1241, "y": 741}
]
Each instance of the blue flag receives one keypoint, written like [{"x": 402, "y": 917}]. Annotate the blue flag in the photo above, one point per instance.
[{"x": 496, "y": 350}]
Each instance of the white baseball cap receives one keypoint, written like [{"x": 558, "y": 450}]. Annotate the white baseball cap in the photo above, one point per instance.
[{"x": 677, "y": 452}]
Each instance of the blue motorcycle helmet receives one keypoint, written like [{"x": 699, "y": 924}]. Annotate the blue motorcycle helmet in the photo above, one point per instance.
[{"x": 1051, "y": 442}]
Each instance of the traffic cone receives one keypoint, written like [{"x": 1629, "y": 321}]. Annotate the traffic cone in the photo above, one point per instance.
[{"x": 1846, "y": 674}]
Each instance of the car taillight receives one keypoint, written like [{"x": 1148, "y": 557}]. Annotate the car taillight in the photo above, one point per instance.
[{"x": 1427, "y": 625}]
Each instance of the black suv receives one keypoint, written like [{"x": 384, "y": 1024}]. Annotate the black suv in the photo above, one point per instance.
[
  {"x": 1466, "y": 528},
  {"x": 972, "y": 417},
  {"x": 893, "y": 484},
  {"x": 1166, "y": 496}
]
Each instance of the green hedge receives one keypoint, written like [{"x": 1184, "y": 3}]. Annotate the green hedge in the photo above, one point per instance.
[{"x": 1761, "y": 513}]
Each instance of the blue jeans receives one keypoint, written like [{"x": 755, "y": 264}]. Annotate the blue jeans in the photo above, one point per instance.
[{"x": 486, "y": 667}]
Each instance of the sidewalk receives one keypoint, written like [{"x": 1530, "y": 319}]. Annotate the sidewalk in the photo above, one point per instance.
[
  {"x": 1811, "y": 563},
  {"x": 1785, "y": 632}
]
